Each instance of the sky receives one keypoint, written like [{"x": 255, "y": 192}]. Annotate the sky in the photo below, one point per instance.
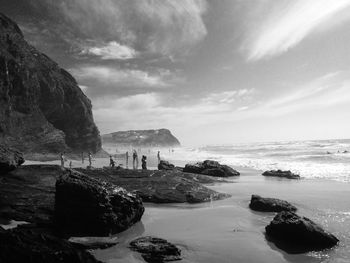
[{"x": 213, "y": 72}]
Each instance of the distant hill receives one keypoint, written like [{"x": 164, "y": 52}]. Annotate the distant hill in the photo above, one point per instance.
[{"x": 148, "y": 138}]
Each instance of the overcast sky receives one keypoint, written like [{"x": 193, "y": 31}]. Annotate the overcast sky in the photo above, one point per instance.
[{"x": 212, "y": 71}]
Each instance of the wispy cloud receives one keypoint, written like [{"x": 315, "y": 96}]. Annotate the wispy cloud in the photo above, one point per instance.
[
  {"x": 111, "y": 50},
  {"x": 280, "y": 25}
]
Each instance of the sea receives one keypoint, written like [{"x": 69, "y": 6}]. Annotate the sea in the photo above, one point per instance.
[{"x": 321, "y": 159}]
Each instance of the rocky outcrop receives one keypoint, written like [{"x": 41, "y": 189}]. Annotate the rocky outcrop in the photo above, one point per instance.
[
  {"x": 42, "y": 108},
  {"x": 296, "y": 234},
  {"x": 155, "y": 249},
  {"x": 165, "y": 165},
  {"x": 10, "y": 159},
  {"x": 281, "y": 174},
  {"x": 262, "y": 204},
  {"x": 211, "y": 168},
  {"x": 31, "y": 246},
  {"x": 142, "y": 138},
  {"x": 88, "y": 207},
  {"x": 160, "y": 186}
]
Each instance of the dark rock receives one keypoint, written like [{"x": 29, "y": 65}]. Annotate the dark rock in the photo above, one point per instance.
[
  {"x": 160, "y": 186},
  {"x": 165, "y": 165},
  {"x": 42, "y": 108},
  {"x": 144, "y": 138},
  {"x": 296, "y": 234},
  {"x": 28, "y": 193},
  {"x": 156, "y": 250},
  {"x": 85, "y": 206},
  {"x": 262, "y": 204},
  {"x": 10, "y": 159},
  {"x": 31, "y": 246},
  {"x": 281, "y": 174},
  {"x": 211, "y": 168}
]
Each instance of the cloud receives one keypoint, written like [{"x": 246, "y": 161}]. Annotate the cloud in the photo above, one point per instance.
[
  {"x": 111, "y": 50},
  {"x": 280, "y": 25},
  {"x": 229, "y": 96},
  {"x": 160, "y": 26},
  {"x": 110, "y": 81}
]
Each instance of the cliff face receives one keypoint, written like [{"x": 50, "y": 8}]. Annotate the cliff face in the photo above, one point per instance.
[
  {"x": 42, "y": 109},
  {"x": 148, "y": 138}
]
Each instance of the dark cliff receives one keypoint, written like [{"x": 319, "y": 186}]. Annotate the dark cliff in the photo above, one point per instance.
[
  {"x": 148, "y": 138},
  {"x": 42, "y": 109}
]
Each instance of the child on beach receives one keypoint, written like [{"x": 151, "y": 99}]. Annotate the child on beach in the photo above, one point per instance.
[
  {"x": 144, "y": 163},
  {"x": 111, "y": 161}
]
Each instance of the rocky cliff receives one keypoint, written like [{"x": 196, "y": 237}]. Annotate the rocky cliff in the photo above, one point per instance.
[
  {"x": 42, "y": 109},
  {"x": 148, "y": 138}
]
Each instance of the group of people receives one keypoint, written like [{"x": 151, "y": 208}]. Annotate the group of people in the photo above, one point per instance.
[{"x": 64, "y": 159}]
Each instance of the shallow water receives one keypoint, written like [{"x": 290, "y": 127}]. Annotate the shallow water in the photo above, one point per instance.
[{"x": 228, "y": 231}]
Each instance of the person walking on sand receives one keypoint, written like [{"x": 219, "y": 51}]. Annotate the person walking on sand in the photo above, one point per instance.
[
  {"x": 144, "y": 162},
  {"x": 90, "y": 159},
  {"x": 135, "y": 160},
  {"x": 127, "y": 160},
  {"x": 62, "y": 160},
  {"x": 111, "y": 161},
  {"x": 158, "y": 157}
]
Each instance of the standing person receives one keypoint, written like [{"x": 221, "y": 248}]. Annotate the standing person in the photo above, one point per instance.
[
  {"x": 158, "y": 156},
  {"x": 127, "y": 159},
  {"x": 90, "y": 159},
  {"x": 144, "y": 162},
  {"x": 70, "y": 164},
  {"x": 82, "y": 157},
  {"x": 135, "y": 160},
  {"x": 62, "y": 160},
  {"x": 111, "y": 161}
]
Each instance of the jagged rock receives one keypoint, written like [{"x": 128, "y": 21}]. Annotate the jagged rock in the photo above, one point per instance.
[
  {"x": 296, "y": 234},
  {"x": 42, "y": 108},
  {"x": 85, "y": 206},
  {"x": 142, "y": 138},
  {"x": 281, "y": 174},
  {"x": 262, "y": 204},
  {"x": 10, "y": 159},
  {"x": 212, "y": 168},
  {"x": 160, "y": 186},
  {"x": 156, "y": 250},
  {"x": 31, "y": 246},
  {"x": 165, "y": 165}
]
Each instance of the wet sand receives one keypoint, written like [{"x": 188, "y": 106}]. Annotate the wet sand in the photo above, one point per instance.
[{"x": 228, "y": 231}]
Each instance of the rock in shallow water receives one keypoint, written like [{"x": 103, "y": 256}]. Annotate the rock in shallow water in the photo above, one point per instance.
[
  {"x": 281, "y": 174},
  {"x": 296, "y": 234},
  {"x": 88, "y": 207},
  {"x": 156, "y": 250},
  {"x": 211, "y": 168},
  {"x": 10, "y": 159},
  {"x": 262, "y": 204}
]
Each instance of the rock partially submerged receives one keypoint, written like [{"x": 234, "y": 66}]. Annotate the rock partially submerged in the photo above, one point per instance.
[
  {"x": 10, "y": 159},
  {"x": 31, "y": 246},
  {"x": 296, "y": 234},
  {"x": 85, "y": 206},
  {"x": 281, "y": 174},
  {"x": 155, "y": 249},
  {"x": 93, "y": 242},
  {"x": 262, "y": 204},
  {"x": 211, "y": 168},
  {"x": 160, "y": 186},
  {"x": 165, "y": 165}
]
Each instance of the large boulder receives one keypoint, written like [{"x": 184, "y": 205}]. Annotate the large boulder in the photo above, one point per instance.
[
  {"x": 165, "y": 165},
  {"x": 10, "y": 159},
  {"x": 281, "y": 174},
  {"x": 296, "y": 234},
  {"x": 262, "y": 204},
  {"x": 85, "y": 206},
  {"x": 155, "y": 249},
  {"x": 211, "y": 168},
  {"x": 31, "y": 246}
]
